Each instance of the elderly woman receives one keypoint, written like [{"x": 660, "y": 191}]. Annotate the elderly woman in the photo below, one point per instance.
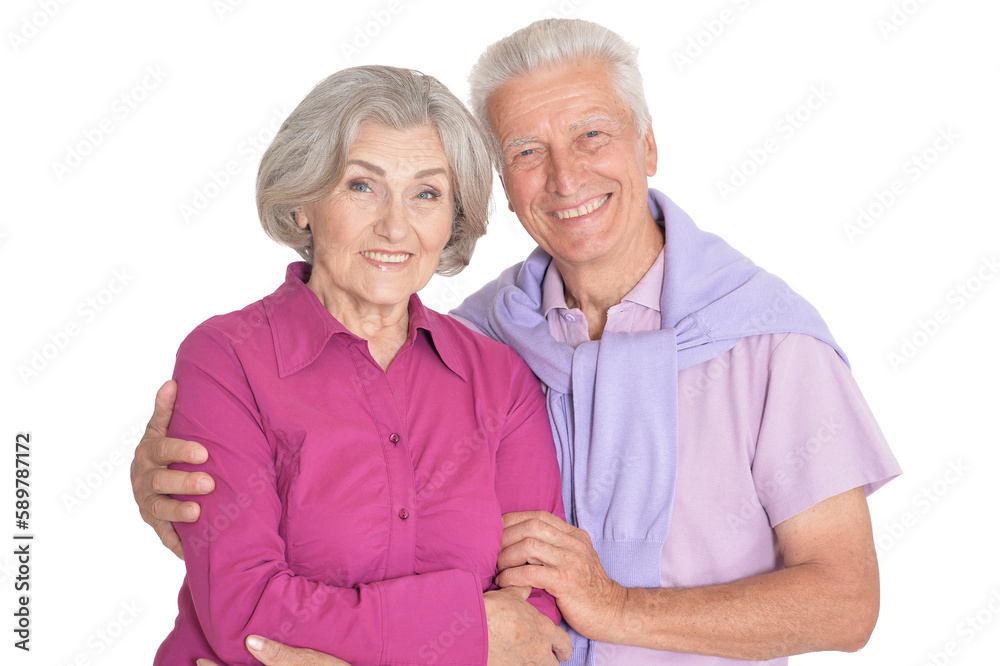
[{"x": 363, "y": 446}]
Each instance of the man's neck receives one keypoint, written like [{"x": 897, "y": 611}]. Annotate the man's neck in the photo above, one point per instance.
[{"x": 598, "y": 286}]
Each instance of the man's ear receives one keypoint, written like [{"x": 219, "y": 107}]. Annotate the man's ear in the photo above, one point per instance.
[
  {"x": 510, "y": 206},
  {"x": 650, "y": 144}
]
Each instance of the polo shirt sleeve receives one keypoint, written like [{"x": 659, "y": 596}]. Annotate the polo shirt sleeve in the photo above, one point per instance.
[
  {"x": 527, "y": 477},
  {"x": 235, "y": 555},
  {"x": 818, "y": 437}
]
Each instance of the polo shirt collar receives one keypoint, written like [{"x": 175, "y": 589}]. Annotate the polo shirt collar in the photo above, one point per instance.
[
  {"x": 645, "y": 293},
  {"x": 301, "y": 326}
]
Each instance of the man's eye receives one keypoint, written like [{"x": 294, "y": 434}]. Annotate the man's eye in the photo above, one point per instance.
[
  {"x": 529, "y": 151},
  {"x": 591, "y": 133}
]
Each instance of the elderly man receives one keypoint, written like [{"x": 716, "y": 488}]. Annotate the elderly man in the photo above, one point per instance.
[{"x": 714, "y": 448}]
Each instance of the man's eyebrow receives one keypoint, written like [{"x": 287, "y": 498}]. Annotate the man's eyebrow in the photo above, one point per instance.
[
  {"x": 590, "y": 121},
  {"x": 519, "y": 142},
  {"x": 368, "y": 165}
]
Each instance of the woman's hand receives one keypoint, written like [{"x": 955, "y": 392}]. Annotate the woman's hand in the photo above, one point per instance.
[
  {"x": 273, "y": 653},
  {"x": 519, "y": 634},
  {"x": 152, "y": 482}
]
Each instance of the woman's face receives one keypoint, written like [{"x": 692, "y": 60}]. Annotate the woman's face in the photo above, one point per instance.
[{"x": 378, "y": 235}]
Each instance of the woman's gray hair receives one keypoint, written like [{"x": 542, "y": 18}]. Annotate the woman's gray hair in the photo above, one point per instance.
[
  {"x": 552, "y": 42},
  {"x": 309, "y": 155}
]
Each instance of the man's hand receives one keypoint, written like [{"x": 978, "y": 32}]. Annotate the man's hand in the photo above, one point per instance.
[
  {"x": 540, "y": 550},
  {"x": 152, "y": 481},
  {"x": 519, "y": 634},
  {"x": 273, "y": 653}
]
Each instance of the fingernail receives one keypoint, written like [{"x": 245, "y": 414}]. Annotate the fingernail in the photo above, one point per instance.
[
  {"x": 204, "y": 485},
  {"x": 199, "y": 456},
  {"x": 255, "y": 643}
]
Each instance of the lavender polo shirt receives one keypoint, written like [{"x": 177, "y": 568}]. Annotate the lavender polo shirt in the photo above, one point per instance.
[
  {"x": 744, "y": 465},
  {"x": 356, "y": 511}
]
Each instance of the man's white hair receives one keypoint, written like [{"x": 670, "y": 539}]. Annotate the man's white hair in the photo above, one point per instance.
[{"x": 552, "y": 42}]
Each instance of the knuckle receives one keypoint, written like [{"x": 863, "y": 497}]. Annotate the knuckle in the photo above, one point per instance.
[{"x": 158, "y": 482}]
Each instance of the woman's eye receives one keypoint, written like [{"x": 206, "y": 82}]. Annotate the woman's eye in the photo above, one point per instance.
[
  {"x": 359, "y": 187},
  {"x": 428, "y": 194}
]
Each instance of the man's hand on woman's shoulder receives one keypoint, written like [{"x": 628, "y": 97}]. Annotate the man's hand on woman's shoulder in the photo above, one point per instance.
[{"x": 153, "y": 483}]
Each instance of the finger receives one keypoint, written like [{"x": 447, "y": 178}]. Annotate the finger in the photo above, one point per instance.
[
  {"x": 515, "y": 517},
  {"x": 533, "y": 551},
  {"x": 521, "y": 592},
  {"x": 161, "y": 507},
  {"x": 164, "y": 481},
  {"x": 529, "y": 576},
  {"x": 205, "y": 662},
  {"x": 163, "y": 409},
  {"x": 170, "y": 538},
  {"x": 562, "y": 645},
  {"x": 163, "y": 451},
  {"x": 534, "y": 529},
  {"x": 273, "y": 653}
]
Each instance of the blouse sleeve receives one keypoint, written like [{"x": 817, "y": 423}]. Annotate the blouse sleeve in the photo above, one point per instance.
[
  {"x": 527, "y": 471},
  {"x": 239, "y": 579}
]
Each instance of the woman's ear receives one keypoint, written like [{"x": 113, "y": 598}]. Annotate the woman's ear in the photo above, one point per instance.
[{"x": 301, "y": 218}]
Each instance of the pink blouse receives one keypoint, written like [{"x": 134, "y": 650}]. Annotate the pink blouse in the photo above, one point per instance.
[{"x": 356, "y": 511}]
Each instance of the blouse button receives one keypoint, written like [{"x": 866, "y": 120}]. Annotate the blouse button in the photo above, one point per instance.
[
  {"x": 394, "y": 438},
  {"x": 403, "y": 514},
  {"x": 570, "y": 318}
]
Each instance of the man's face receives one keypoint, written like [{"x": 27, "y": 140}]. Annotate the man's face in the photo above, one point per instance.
[{"x": 574, "y": 167}]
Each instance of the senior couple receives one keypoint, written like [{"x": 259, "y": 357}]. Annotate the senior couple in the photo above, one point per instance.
[{"x": 363, "y": 479}]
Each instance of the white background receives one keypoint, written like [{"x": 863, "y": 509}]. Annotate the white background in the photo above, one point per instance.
[{"x": 226, "y": 74}]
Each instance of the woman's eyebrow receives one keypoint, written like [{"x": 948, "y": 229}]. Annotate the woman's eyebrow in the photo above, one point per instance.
[{"x": 377, "y": 170}]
